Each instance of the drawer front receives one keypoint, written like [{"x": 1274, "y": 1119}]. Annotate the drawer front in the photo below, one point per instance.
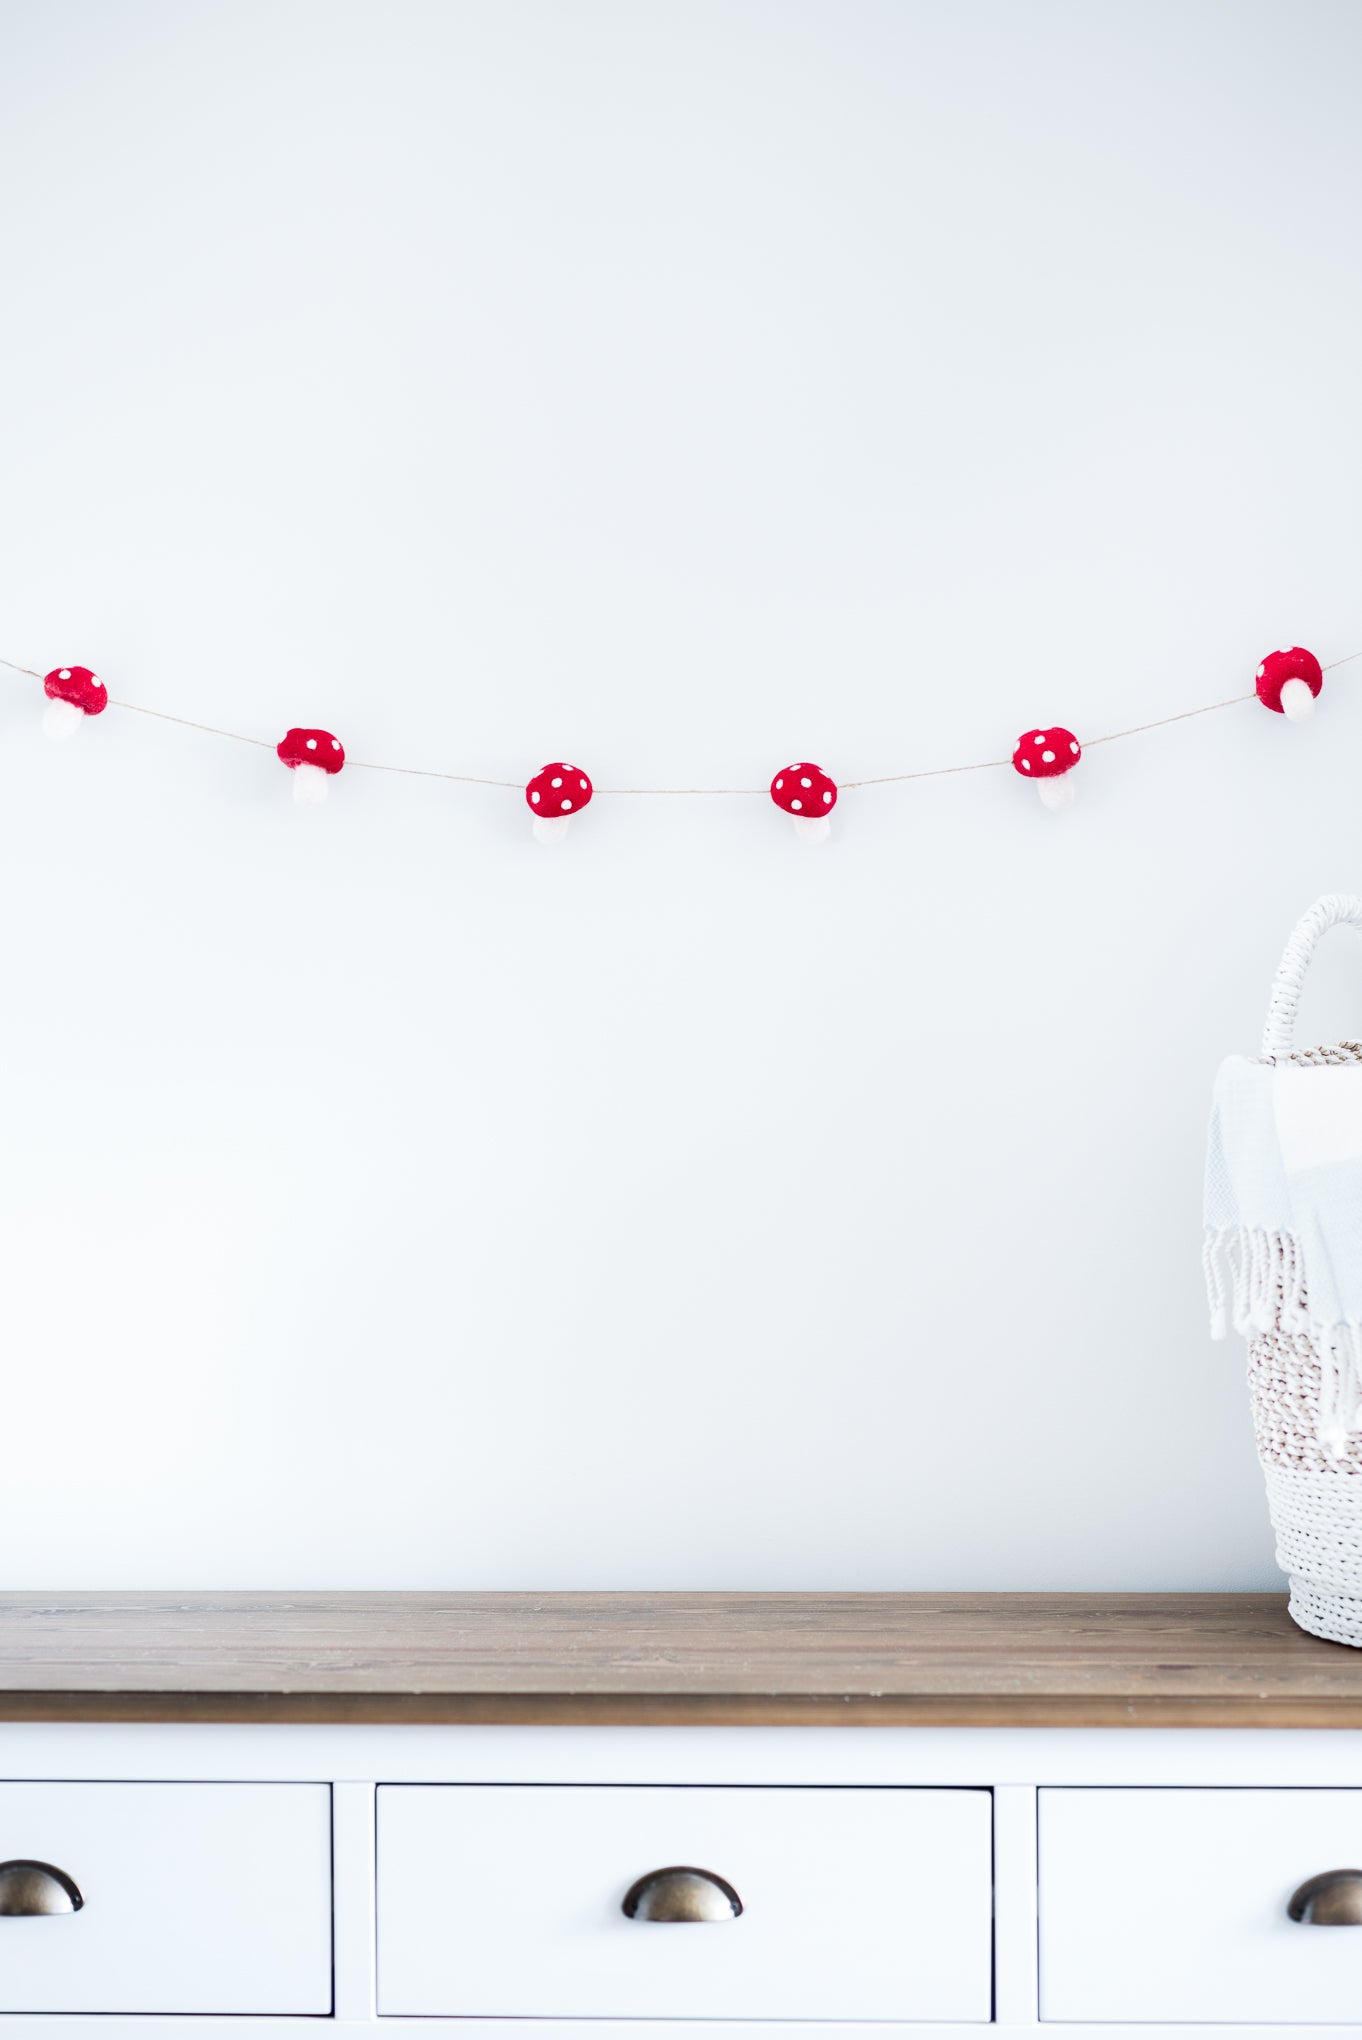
[
  {"x": 1172, "y": 1906},
  {"x": 872, "y": 1904},
  {"x": 196, "y": 1898}
]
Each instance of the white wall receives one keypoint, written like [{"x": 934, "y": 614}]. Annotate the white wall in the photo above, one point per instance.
[{"x": 678, "y": 386}]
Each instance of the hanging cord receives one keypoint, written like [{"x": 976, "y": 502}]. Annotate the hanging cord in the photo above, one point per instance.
[{"x": 747, "y": 792}]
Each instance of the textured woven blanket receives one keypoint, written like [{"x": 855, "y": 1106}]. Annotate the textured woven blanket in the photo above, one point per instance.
[{"x": 1284, "y": 1218}]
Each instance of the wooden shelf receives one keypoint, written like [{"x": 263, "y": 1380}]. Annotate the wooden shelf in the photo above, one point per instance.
[{"x": 1000, "y": 1660}]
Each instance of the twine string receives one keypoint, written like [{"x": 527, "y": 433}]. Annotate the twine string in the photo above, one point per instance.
[
  {"x": 185, "y": 724},
  {"x": 742, "y": 792}
]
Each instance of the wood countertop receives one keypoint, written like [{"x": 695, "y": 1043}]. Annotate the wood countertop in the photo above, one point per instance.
[{"x": 946, "y": 1660}]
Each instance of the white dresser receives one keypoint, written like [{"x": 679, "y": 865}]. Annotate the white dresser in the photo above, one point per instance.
[{"x": 259, "y": 1815}]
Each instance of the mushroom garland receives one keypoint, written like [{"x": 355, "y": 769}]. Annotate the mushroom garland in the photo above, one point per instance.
[
  {"x": 314, "y": 757},
  {"x": 1048, "y": 757},
  {"x": 1289, "y": 681},
  {"x": 808, "y": 796},
  {"x": 555, "y": 794},
  {"x": 73, "y": 693}
]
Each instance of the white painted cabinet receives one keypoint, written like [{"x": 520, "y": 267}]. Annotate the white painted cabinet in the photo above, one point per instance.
[
  {"x": 1171, "y": 1906},
  {"x": 506, "y": 1901},
  {"x": 257, "y": 1883},
  {"x": 190, "y": 1897}
]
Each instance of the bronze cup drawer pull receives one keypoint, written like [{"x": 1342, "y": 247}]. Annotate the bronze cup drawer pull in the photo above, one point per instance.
[
  {"x": 681, "y": 1894},
  {"x": 1333, "y": 1899},
  {"x": 31, "y": 1890}
]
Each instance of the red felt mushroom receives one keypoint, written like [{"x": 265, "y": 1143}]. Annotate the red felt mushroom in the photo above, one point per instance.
[
  {"x": 1289, "y": 681},
  {"x": 808, "y": 797},
  {"x": 554, "y": 796},
  {"x": 1048, "y": 757},
  {"x": 314, "y": 757},
  {"x": 72, "y": 693}
]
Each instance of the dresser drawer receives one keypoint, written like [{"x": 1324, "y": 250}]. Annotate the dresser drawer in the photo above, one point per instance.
[
  {"x": 1172, "y": 1906},
  {"x": 870, "y": 1904},
  {"x": 195, "y": 1898}
]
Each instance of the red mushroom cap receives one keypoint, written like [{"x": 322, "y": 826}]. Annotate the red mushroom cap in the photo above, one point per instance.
[
  {"x": 558, "y": 790},
  {"x": 1279, "y": 667},
  {"x": 1045, "y": 754},
  {"x": 78, "y": 685},
  {"x": 804, "y": 791},
  {"x": 312, "y": 747}
]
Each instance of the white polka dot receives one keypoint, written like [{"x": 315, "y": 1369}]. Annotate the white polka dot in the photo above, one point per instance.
[
  {"x": 582, "y": 784},
  {"x": 806, "y": 782},
  {"x": 65, "y": 673},
  {"x": 534, "y": 796},
  {"x": 312, "y": 743},
  {"x": 779, "y": 784},
  {"x": 827, "y": 796},
  {"x": 1026, "y": 764},
  {"x": 335, "y": 743},
  {"x": 555, "y": 782},
  {"x": 1262, "y": 669},
  {"x": 1074, "y": 748},
  {"x": 1047, "y": 757},
  {"x": 1038, "y": 738},
  {"x": 565, "y": 803},
  {"x": 796, "y": 803}
]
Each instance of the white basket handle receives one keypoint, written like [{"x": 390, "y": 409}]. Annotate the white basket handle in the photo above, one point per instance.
[{"x": 1334, "y": 910}]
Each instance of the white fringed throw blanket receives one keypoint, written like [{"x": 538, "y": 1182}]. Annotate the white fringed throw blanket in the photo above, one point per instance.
[{"x": 1284, "y": 1218}]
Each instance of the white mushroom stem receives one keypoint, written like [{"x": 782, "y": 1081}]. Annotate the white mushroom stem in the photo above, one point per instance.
[
  {"x": 1297, "y": 700},
  {"x": 310, "y": 785},
  {"x": 811, "y": 829},
  {"x": 1058, "y": 792},
  {"x": 551, "y": 829},
  {"x": 61, "y": 719}
]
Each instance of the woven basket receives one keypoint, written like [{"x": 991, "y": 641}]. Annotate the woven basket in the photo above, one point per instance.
[{"x": 1314, "y": 1494}]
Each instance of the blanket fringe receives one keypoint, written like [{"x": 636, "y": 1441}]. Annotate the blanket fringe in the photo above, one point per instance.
[
  {"x": 1255, "y": 1281},
  {"x": 1340, "y": 1388}
]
